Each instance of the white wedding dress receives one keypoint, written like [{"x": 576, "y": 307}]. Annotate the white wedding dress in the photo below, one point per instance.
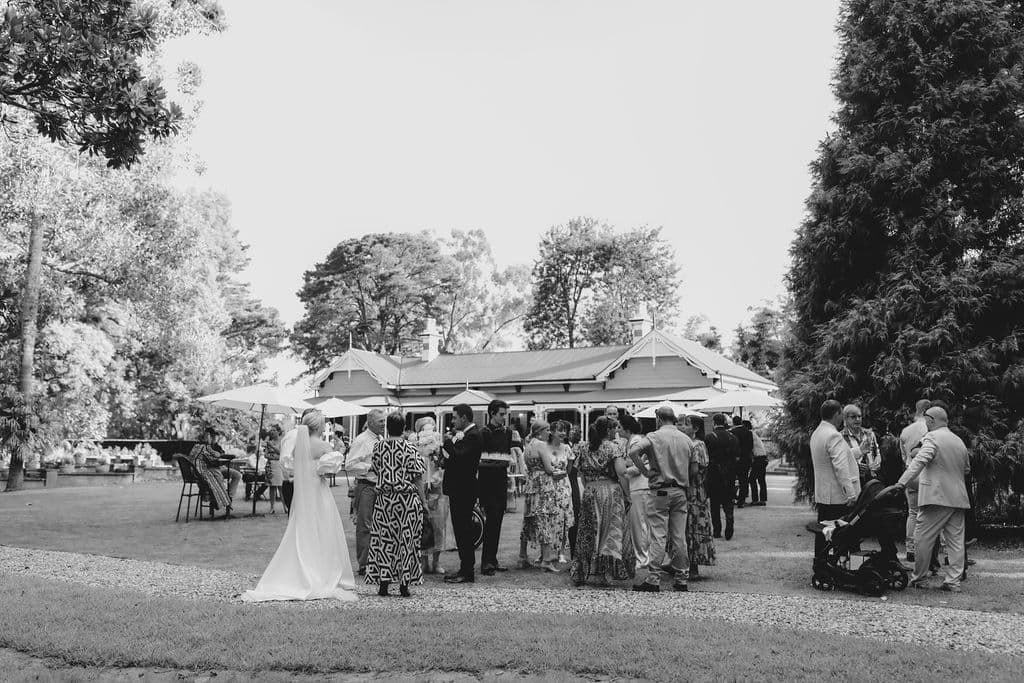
[{"x": 312, "y": 561}]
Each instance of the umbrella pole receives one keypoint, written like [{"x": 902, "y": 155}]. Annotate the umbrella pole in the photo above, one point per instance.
[{"x": 259, "y": 443}]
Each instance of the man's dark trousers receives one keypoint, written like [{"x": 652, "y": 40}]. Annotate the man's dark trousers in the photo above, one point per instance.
[
  {"x": 461, "y": 509},
  {"x": 720, "y": 490},
  {"x": 826, "y": 512},
  {"x": 743, "y": 475},
  {"x": 758, "y": 480},
  {"x": 493, "y": 499}
]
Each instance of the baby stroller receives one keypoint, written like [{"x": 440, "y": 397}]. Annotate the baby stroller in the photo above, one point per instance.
[{"x": 875, "y": 514}]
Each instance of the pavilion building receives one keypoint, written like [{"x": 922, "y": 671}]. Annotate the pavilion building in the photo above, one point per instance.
[{"x": 574, "y": 384}]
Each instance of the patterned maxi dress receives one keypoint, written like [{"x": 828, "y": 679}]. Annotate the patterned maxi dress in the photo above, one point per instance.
[
  {"x": 397, "y": 522},
  {"x": 699, "y": 539},
  {"x": 603, "y": 544},
  {"x": 547, "y": 512}
]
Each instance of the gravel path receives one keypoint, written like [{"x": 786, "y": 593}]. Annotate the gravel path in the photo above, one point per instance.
[{"x": 943, "y": 627}]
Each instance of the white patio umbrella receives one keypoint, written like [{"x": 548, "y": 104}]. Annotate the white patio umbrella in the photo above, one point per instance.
[
  {"x": 739, "y": 398},
  {"x": 265, "y": 398},
  {"x": 679, "y": 410},
  {"x": 336, "y": 407}
]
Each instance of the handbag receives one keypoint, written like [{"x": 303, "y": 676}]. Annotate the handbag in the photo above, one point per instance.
[{"x": 427, "y": 538}]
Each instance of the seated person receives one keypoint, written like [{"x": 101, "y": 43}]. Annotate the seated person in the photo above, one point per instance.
[{"x": 208, "y": 459}]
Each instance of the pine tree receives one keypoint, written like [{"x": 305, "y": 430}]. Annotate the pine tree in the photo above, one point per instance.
[{"x": 908, "y": 272}]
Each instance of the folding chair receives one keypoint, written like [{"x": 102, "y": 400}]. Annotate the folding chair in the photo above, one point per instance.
[{"x": 192, "y": 487}]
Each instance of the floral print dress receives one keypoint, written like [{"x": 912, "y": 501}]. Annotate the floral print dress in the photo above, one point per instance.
[
  {"x": 603, "y": 545},
  {"x": 699, "y": 539},
  {"x": 547, "y": 513}
]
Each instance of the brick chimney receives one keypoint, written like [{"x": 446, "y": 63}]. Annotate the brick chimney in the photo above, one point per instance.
[
  {"x": 430, "y": 340},
  {"x": 640, "y": 323}
]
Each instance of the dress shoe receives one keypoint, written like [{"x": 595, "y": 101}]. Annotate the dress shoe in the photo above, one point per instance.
[
  {"x": 487, "y": 571},
  {"x": 950, "y": 588},
  {"x": 680, "y": 588},
  {"x": 919, "y": 584},
  {"x": 459, "y": 578},
  {"x": 500, "y": 568},
  {"x": 647, "y": 588},
  {"x": 728, "y": 532},
  {"x": 760, "y": 503}
]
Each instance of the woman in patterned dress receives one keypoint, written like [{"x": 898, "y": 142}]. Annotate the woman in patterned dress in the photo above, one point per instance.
[
  {"x": 543, "y": 518},
  {"x": 699, "y": 540},
  {"x": 428, "y": 442},
  {"x": 603, "y": 545},
  {"x": 561, "y": 455},
  {"x": 397, "y": 522}
]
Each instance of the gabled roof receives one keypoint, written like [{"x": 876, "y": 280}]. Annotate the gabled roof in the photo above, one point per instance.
[
  {"x": 707, "y": 361},
  {"x": 582, "y": 364}
]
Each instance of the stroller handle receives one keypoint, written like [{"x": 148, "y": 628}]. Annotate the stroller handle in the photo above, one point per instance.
[{"x": 888, "y": 491}]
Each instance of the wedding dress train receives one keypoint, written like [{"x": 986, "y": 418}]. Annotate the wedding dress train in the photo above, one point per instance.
[{"x": 312, "y": 561}]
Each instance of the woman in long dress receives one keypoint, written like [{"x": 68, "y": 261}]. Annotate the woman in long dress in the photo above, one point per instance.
[
  {"x": 543, "y": 512},
  {"x": 428, "y": 442},
  {"x": 603, "y": 544},
  {"x": 397, "y": 522},
  {"x": 700, "y": 541},
  {"x": 312, "y": 560}
]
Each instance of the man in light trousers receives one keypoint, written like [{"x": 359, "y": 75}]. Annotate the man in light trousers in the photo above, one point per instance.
[
  {"x": 359, "y": 465},
  {"x": 910, "y": 441},
  {"x": 940, "y": 467},
  {"x": 669, "y": 466}
]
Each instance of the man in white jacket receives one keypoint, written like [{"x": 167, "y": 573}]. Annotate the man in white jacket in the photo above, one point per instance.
[{"x": 836, "y": 476}]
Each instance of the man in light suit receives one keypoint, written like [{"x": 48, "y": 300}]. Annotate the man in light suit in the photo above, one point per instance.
[
  {"x": 940, "y": 467},
  {"x": 836, "y": 475},
  {"x": 910, "y": 440}
]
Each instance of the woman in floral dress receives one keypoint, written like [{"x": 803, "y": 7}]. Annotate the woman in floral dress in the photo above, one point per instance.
[
  {"x": 548, "y": 498},
  {"x": 397, "y": 522},
  {"x": 603, "y": 545},
  {"x": 699, "y": 539},
  {"x": 561, "y": 455},
  {"x": 428, "y": 442}
]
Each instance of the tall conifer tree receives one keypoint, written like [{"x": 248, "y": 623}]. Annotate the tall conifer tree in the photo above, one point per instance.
[{"x": 908, "y": 271}]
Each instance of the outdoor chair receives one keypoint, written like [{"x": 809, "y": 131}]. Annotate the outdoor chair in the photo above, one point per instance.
[{"x": 192, "y": 487}]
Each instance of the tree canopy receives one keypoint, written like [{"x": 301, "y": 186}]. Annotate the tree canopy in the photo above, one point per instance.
[
  {"x": 908, "y": 273},
  {"x": 759, "y": 344},
  {"x": 588, "y": 281},
  {"x": 77, "y": 68},
  {"x": 380, "y": 288}
]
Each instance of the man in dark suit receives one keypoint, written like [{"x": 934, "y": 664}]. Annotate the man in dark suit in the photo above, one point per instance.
[
  {"x": 723, "y": 452},
  {"x": 746, "y": 460},
  {"x": 462, "y": 448}
]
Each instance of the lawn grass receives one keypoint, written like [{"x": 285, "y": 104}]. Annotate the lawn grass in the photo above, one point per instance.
[
  {"x": 770, "y": 554},
  {"x": 91, "y": 627}
]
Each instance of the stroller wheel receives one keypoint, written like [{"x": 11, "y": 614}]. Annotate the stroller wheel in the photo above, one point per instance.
[
  {"x": 822, "y": 583},
  {"x": 898, "y": 580},
  {"x": 871, "y": 583}
]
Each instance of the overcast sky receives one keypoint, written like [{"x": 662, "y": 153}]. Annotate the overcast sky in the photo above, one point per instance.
[{"x": 327, "y": 119}]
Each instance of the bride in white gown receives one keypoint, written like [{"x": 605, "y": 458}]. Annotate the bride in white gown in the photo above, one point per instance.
[{"x": 312, "y": 561}]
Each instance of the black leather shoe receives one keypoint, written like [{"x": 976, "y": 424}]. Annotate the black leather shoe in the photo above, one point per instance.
[
  {"x": 487, "y": 571},
  {"x": 717, "y": 534},
  {"x": 499, "y": 568},
  {"x": 728, "y": 532},
  {"x": 458, "y": 578},
  {"x": 646, "y": 588},
  {"x": 680, "y": 587}
]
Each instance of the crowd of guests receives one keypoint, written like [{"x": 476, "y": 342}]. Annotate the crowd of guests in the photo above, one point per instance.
[
  {"x": 926, "y": 462},
  {"x": 617, "y": 505}
]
